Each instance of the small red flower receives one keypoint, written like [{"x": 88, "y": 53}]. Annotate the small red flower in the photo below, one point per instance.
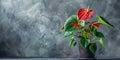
[
  {"x": 76, "y": 25},
  {"x": 85, "y": 13},
  {"x": 96, "y": 24}
]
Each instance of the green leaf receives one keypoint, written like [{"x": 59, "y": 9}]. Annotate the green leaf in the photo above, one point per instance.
[
  {"x": 75, "y": 43},
  {"x": 68, "y": 26},
  {"x": 93, "y": 48},
  {"x": 67, "y": 33},
  {"x": 82, "y": 23},
  {"x": 101, "y": 42},
  {"x": 99, "y": 34},
  {"x": 103, "y": 21},
  {"x": 92, "y": 28},
  {"x": 71, "y": 42},
  {"x": 84, "y": 42},
  {"x": 84, "y": 34}
]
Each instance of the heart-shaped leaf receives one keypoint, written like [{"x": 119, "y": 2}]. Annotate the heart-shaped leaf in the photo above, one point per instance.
[
  {"x": 67, "y": 33},
  {"x": 93, "y": 48},
  {"x": 68, "y": 23},
  {"x": 84, "y": 42},
  {"x": 71, "y": 42},
  {"x": 92, "y": 29},
  {"x": 101, "y": 42},
  {"x": 103, "y": 21},
  {"x": 99, "y": 34}
]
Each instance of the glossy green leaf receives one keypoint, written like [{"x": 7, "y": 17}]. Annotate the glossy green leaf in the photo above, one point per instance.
[
  {"x": 93, "y": 48},
  {"x": 67, "y": 33},
  {"x": 103, "y": 21},
  {"x": 71, "y": 42},
  {"x": 84, "y": 34},
  {"x": 101, "y": 42},
  {"x": 92, "y": 28},
  {"x": 75, "y": 43},
  {"x": 68, "y": 26},
  {"x": 99, "y": 34},
  {"x": 84, "y": 42}
]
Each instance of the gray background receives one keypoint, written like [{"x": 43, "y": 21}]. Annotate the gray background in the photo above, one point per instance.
[{"x": 31, "y": 28}]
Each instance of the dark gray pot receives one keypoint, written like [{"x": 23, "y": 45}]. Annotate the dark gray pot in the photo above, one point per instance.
[{"x": 86, "y": 53}]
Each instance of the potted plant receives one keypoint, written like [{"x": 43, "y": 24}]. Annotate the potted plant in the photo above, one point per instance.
[{"x": 87, "y": 31}]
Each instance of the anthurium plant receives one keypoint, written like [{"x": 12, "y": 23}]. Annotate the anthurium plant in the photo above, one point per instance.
[{"x": 88, "y": 33}]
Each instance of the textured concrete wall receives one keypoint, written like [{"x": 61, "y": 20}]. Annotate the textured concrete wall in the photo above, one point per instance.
[{"x": 31, "y": 28}]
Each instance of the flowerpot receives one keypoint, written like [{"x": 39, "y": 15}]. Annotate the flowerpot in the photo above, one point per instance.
[{"x": 86, "y": 53}]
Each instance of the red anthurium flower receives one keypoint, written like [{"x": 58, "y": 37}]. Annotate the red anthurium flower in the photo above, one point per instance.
[
  {"x": 76, "y": 25},
  {"x": 96, "y": 24},
  {"x": 85, "y": 13}
]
